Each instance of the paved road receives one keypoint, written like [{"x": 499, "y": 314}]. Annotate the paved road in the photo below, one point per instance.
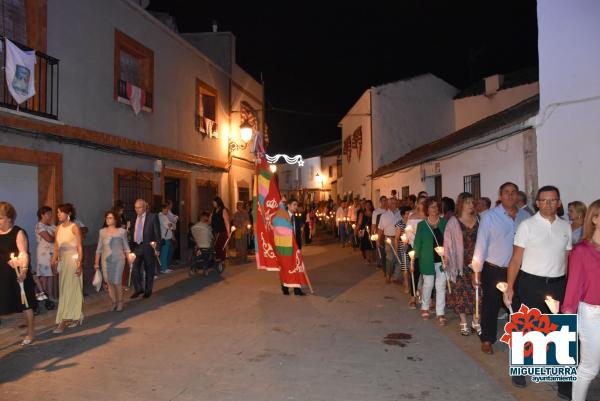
[{"x": 236, "y": 337}]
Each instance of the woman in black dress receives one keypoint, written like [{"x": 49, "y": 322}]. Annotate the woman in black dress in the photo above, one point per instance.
[
  {"x": 220, "y": 223},
  {"x": 13, "y": 242}
]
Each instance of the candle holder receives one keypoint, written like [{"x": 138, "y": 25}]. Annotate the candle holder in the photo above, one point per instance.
[{"x": 502, "y": 286}]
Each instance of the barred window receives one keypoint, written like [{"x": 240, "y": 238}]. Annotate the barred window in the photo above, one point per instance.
[{"x": 472, "y": 184}]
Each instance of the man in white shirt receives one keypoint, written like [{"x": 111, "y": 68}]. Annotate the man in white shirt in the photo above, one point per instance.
[
  {"x": 538, "y": 265},
  {"x": 387, "y": 230},
  {"x": 374, "y": 228},
  {"x": 341, "y": 221}
]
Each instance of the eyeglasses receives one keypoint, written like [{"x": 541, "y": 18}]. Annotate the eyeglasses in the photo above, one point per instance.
[{"x": 548, "y": 201}]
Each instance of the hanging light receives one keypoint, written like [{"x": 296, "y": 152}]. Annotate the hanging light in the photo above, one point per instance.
[
  {"x": 273, "y": 168},
  {"x": 246, "y": 131}
]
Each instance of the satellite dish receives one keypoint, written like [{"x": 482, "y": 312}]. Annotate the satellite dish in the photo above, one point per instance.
[{"x": 144, "y": 3}]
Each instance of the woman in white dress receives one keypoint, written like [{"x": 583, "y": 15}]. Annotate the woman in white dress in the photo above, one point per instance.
[
  {"x": 44, "y": 276},
  {"x": 113, "y": 250}
]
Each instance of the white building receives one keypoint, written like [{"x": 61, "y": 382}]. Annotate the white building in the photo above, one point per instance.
[
  {"x": 452, "y": 142},
  {"x": 568, "y": 125},
  {"x": 317, "y": 178},
  {"x": 390, "y": 120}
]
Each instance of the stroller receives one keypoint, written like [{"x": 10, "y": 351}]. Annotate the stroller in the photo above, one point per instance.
[{"x": 205, "y": 258}]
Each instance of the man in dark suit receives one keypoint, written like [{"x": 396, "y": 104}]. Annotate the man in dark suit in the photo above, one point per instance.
[
  {"x": 146, "y": 233},
  {"x": 297, "y": 220}
]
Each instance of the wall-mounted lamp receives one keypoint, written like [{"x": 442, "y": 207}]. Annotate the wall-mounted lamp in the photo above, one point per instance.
[{"x": 246, "y": 131}]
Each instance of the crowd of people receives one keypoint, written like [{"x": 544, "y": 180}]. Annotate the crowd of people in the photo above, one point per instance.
[
  {"x": 463, "y": 255},
  {"x": 473, "y": 259},
  {"x": 128, "y": 253}
]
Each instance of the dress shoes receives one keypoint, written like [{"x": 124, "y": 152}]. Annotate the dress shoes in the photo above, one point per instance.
[
  {"x": 486, "y": 348},
  {"x": 298, "y": 291},
  {"x": 285, "y": 290},
  {"x": 136, "y": 294},
  {"x": 147, "y": 294}
]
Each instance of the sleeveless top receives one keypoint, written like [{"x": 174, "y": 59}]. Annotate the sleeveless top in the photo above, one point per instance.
[
  {"x": 8, "y": 245},
  {"x": 67, "y": 242},
  {"x": 217, "y": 222}
]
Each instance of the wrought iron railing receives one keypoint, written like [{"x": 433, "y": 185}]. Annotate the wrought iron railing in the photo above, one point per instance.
[{"x": 46, "y": 78}]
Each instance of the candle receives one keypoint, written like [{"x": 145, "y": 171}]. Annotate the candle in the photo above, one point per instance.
[
  {"x": 553, "y": 304},
  {"x": 233, "y": 228},
  {"x": 404, "y": 238},
  {"x": 409, "y": 228},
  {"x": 439, "y": 250},
  {"x": 388, "y": 241},
  {"x": 249, "y": 226},
  {"x": 12, "y": 256},
  {"x": 502, "y": 286},
  {"x": 374, "y": 237},
  {"x": 411, "y": 254},
  {"x": 353, "y": 226},
  {"x": 76, "y": 256}
]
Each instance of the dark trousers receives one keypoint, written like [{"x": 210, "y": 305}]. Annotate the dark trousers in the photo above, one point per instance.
[
  {"x": 491, "y": 301},
  {"x": 532, "y": 291},
  {"x": 144, "y": 254}
]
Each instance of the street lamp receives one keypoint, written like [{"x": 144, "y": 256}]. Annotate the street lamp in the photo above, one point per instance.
[{"x": 246, "y": 131}]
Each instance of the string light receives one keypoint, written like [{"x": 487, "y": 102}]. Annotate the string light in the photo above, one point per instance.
[{"x": 288, "y": 159}]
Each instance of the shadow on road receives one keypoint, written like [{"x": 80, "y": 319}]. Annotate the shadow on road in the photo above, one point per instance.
[{"x": 50, "y": 351}]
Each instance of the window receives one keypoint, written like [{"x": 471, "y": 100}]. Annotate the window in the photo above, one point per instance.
[
  {"x": 338, "y": 169},
  {"x": 206, "y": 109},
  {"x": 243, "y": 194},
  {"x": 134, "y": 67},
  {"x": 13, "y": 20},
  {"x": 331, "y": 171},
  {"x": 405, "y": 192},
  {"x": 472, "y": 184}
]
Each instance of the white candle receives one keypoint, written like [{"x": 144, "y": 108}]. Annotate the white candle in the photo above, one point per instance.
[
  {"x": 411, "y": 254},
  {"x": 502, "y": 286},
  {"x": 388, "y": 240},
  {"x": 76, "y": 256},
  {"x": 439, "y": 250},
  {"x": 233, "y": 228},
  {"x": 249, "y": 226},
  {"x": 404, "y": 238},
  {"x": 353, "y": 226},
  {"x": 553, "y": 304}
]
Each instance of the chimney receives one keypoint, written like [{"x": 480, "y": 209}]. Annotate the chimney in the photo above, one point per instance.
[
  {"x": 493, "y": 84},
  {"x": 215, "y": 26}
]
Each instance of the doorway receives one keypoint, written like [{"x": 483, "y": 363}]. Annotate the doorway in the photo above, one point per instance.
[{"x": 207, "y": 190}]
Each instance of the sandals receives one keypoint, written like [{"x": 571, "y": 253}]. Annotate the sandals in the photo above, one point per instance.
[
  {"x": 441, "y": 320},
  {"x": 425, "y": 315},
  {"x": 464, "y": 330},
  {"x": 58, "y": 330},
  {"x": 476, "y": 327},
  {"x": 412, "y": 304},
  {"x": 119, "y": 306},
  {"x": 27, "y": 341}
]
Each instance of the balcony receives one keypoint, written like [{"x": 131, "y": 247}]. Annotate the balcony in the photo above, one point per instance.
[{"x": 45, "y": 101}]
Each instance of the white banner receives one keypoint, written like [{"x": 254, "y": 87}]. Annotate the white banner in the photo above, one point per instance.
[{"x": 20, "y": 72}]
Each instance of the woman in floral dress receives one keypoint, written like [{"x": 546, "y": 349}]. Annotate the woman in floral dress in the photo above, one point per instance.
[{"x": 459, "y": 246}]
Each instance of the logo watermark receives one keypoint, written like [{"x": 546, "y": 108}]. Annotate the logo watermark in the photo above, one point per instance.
[{"x": 543, "y": 346}]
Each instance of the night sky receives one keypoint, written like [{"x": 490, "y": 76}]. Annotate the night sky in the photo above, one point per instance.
[{"x": 317, "y": 59}]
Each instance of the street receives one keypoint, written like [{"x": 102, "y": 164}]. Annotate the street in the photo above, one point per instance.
[{"x": 236, "y": 337}]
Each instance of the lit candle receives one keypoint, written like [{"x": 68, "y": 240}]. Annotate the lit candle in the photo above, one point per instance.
[
  {"x": 249, "y": 226},
  {"x": 76, "y": 256},
  {"x": 388, "y": 241},
  {"x": 439, "y": 250},
  {"x": 233, "y": 228},
  {"x": 404, "y": 238},
  {"x": 411, "y": 255},
  {"x": 553, "y": 304},
  {"x": 353, "y": 226},
  {"x": 409, "y": 228},
  {"x": 374, "y": 237}
]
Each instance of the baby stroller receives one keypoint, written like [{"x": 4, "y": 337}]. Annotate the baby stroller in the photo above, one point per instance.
[{"x": 204, "y": 258}]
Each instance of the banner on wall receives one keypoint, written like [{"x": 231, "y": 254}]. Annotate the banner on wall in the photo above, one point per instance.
[{"x": 20, "y": 72}]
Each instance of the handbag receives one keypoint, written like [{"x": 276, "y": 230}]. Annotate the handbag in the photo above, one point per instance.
[{"x": 97, "y": 282}]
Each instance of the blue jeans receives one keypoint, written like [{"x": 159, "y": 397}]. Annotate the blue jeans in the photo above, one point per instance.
[
  {"x": 164, "y": 255},
  {"x": 343, "y": 233}
]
